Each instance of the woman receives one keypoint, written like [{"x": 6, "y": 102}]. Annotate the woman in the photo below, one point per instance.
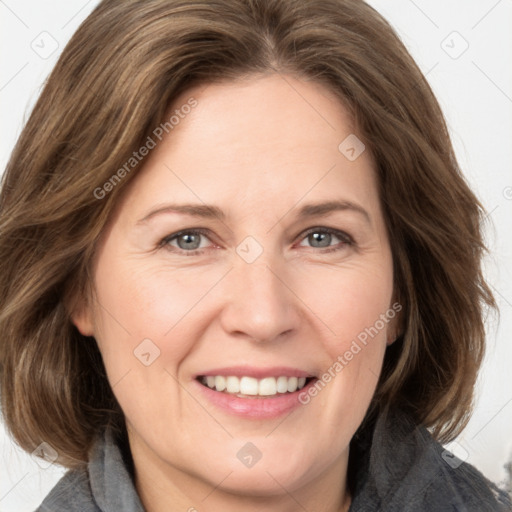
[{"x": 241, "y": 267}]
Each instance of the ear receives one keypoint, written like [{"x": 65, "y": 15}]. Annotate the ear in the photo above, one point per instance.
[
  {"x": 391, "y": 338},
  {"x": 81, "y": 317},
  {"x": 395, "y": 327},
  {"x": 80, "y": 314}
]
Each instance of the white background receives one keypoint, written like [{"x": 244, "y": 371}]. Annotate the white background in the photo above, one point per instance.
[{"x": 475, "y": 92}]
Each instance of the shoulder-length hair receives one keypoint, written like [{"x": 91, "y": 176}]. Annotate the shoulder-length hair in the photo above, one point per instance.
[{"x": 111, "y": 88}]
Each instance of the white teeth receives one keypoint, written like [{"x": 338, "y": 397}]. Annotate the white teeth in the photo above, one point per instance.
[
  {"x": 232, "y": 385},
  {"x": 292, "y": 384},
  {"x": 248, "y": 386},
  {"x": 267, "y": 386},
  {"x": 282, "y": 384},
  {"x": 220, "y": 383}
]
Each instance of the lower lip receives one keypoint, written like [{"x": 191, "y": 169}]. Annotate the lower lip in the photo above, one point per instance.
[{"x": 259, "y": 407}]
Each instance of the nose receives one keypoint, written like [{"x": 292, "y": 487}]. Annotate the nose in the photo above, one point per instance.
[{"x": 260, "y": 305}]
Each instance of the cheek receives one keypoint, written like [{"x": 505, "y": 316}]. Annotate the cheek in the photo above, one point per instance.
[
  {"x": 137, "y": 301},
  {"x": 144, "y": 301},
  {"x": 147, "y": 315},
  {"x": 354, "y": 307},
  {"x": 350, "y": 301}
]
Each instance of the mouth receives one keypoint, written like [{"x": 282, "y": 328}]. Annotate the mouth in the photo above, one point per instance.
[
  {"x": 251, "y": 387},
  {"x": 254, "y": 393}
]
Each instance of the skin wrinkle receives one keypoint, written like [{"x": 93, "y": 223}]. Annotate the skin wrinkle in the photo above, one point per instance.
[{"x": 282, "y": 309}]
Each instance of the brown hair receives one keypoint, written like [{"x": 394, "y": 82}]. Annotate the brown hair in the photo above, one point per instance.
[{"x": 109, "y": 90}]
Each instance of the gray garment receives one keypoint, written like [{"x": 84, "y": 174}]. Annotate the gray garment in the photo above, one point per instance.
[
  {"x": 394, "y": 467},
  {"x": 105, "y": 486},
  {"x": 400, "y": 467}
]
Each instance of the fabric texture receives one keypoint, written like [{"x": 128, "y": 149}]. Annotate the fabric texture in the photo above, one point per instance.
[
  {"x": 105, "y": 486},
  {"x": 399, "y": 467},
  {"x": 394, "y": 466}
]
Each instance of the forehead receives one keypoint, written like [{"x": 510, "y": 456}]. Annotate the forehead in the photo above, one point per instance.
[
  {"x": 274, "y": 111},
  {"x": 262, "y": 142}
]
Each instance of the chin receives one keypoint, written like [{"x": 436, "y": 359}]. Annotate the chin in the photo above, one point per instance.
[
  {"x": 280, "y": 466},
  {"x": 262, "y": 481}
]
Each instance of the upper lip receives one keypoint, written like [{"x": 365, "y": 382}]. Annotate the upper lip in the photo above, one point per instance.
[{"x": 257, "y": 373}]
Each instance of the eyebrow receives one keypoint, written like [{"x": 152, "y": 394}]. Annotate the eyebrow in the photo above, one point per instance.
[{"x": 213, "y": 212}]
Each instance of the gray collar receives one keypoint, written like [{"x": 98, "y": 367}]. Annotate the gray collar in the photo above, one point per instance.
[
  {"x": 394, "y": 466},
  {"x": 111, "y": 484}
]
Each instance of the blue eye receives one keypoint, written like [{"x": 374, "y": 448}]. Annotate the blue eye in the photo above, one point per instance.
[
  {"x": 321, "y": 238},
  {"x": 189, "y": 242}
]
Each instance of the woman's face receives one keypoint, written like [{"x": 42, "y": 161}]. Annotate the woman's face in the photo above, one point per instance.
[{"x": 249, "y": 251}]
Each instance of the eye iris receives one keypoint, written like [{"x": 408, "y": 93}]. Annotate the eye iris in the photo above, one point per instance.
[
  {"x": 323, "y": 239},
  {"x": 192, "y": 241}
]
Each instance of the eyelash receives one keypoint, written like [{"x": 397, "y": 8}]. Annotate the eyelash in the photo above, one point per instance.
[{"x": 344, "y": 237}]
